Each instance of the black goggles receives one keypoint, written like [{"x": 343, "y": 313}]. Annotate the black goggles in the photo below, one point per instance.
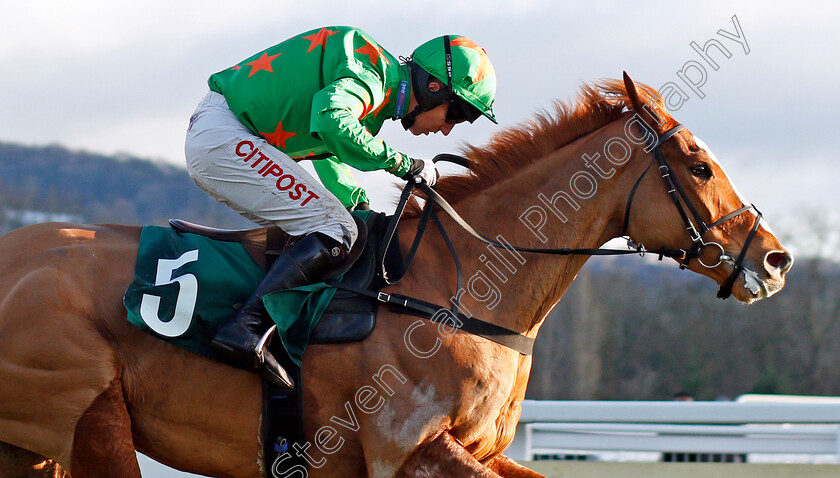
[{"x": 460, "y": 111}]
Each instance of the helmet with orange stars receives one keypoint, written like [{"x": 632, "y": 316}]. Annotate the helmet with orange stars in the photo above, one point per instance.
[{"x": 464, "y": 68}]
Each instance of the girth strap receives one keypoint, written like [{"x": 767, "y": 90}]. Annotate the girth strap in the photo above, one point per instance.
[{"x": 426, "y": 310}]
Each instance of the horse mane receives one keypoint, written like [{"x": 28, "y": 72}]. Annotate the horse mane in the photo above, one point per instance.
[{"x": 508, "y": 151}]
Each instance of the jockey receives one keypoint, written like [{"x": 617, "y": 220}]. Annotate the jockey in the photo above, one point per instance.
[{"x": 322, "y": 96}]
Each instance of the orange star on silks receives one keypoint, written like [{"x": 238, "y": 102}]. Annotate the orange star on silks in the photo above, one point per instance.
[
  {"x": 262, "y": 63},
  {"x": 385, "y": 102},
  {"x": 367, "y": 105},
  {"x": 373, "y": 52},
  {"x": 319, "y": 39},
  {"x": 308, "y": 155},
  {"x": 485, "y": 68},
  {"x": 278, "y": 137}
]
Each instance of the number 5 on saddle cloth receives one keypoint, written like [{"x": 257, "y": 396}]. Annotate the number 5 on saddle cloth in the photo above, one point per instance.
[{"x": 189, "y": 278}]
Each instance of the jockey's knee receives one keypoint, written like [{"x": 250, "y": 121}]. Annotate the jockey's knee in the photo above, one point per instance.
[{"x": 342, "y": 232}]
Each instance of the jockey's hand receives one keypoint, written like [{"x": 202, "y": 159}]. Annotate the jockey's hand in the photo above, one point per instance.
[{"x": 425, "y": 169}]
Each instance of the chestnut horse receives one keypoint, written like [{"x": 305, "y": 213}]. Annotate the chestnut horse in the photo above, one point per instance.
[{"x": 82, "y": 389}]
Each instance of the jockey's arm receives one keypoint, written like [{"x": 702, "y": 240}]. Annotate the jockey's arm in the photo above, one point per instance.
[
  {"x": 339, "y": 180},
  {"x": 336, "y": 110}
]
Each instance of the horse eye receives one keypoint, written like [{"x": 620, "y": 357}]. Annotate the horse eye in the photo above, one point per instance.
[{"x": 701, "y": 171}]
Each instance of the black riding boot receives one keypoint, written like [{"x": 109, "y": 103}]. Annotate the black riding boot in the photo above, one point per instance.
[{"x": 244, "y": 338}]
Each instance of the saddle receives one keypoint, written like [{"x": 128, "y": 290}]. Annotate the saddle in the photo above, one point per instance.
[{"x": 349, "y": 317}]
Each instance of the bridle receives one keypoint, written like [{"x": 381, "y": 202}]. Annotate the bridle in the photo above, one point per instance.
[
  {"x": 694, "y": 223},
  {"x": 509, "y": 338},
  {"x": 698, "y": 227}
]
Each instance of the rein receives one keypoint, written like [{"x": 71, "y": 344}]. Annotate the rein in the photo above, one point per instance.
[
  {"x": 512, "y": 339},
  {"x": 419, "y": 308},
  {"x": 675, "y": 192}
]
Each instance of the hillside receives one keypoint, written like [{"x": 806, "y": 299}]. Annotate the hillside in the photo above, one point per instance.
[{"x": 52, "y": 182}]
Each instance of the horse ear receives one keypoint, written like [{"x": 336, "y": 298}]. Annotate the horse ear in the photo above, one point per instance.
[{"x": 632, "y": 93}]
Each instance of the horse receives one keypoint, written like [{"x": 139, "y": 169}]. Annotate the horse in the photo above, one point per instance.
[{"x": 82, "y": 389}]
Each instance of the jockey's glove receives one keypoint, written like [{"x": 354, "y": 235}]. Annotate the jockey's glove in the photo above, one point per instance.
[{"x": 425, "y": 169}]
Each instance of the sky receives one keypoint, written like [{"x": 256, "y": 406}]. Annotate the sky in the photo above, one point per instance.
[{"x": 124, "y": 76}]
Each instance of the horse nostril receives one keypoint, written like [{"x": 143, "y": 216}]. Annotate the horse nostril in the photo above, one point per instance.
[{"x": 780, "y": 261}]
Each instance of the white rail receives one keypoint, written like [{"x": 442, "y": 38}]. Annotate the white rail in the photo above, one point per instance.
[{"x": 744, "y": 427}]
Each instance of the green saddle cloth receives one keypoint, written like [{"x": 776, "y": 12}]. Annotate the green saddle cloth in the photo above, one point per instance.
[{"x": 185, "y": 286}]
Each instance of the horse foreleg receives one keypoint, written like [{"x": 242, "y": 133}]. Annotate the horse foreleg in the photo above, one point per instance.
[
  {"x": 443, "y": 457},
  {"x": 16, "y": 462},
  {"x": 102, "y": 444},
  {"x": 507, "y": 468}
]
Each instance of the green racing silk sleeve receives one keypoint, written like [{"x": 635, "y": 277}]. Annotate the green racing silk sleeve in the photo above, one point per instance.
[
  {"x": 338, "y": 178},
  {"x": 336, "y": 110}
]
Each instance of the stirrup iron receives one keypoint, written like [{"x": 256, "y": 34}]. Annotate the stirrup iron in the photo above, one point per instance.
[
  {"x": 272, "y": 368},
  {"x": 264, "y": 340}
]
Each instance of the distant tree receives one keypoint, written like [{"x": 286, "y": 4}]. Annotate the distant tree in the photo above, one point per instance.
[{"x": 661, "y": 330}]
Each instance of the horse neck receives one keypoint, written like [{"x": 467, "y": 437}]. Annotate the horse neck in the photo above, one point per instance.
[{"x": 517, "y": 290}]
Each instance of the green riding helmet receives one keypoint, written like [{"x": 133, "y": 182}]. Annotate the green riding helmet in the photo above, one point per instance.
[{"x": 467, "y": 72}]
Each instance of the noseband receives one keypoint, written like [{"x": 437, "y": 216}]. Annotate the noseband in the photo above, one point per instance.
[{"x": 696, "y": 228}]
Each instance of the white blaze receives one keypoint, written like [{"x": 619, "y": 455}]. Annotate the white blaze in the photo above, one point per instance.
[{"x": 743, "y": 199}]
